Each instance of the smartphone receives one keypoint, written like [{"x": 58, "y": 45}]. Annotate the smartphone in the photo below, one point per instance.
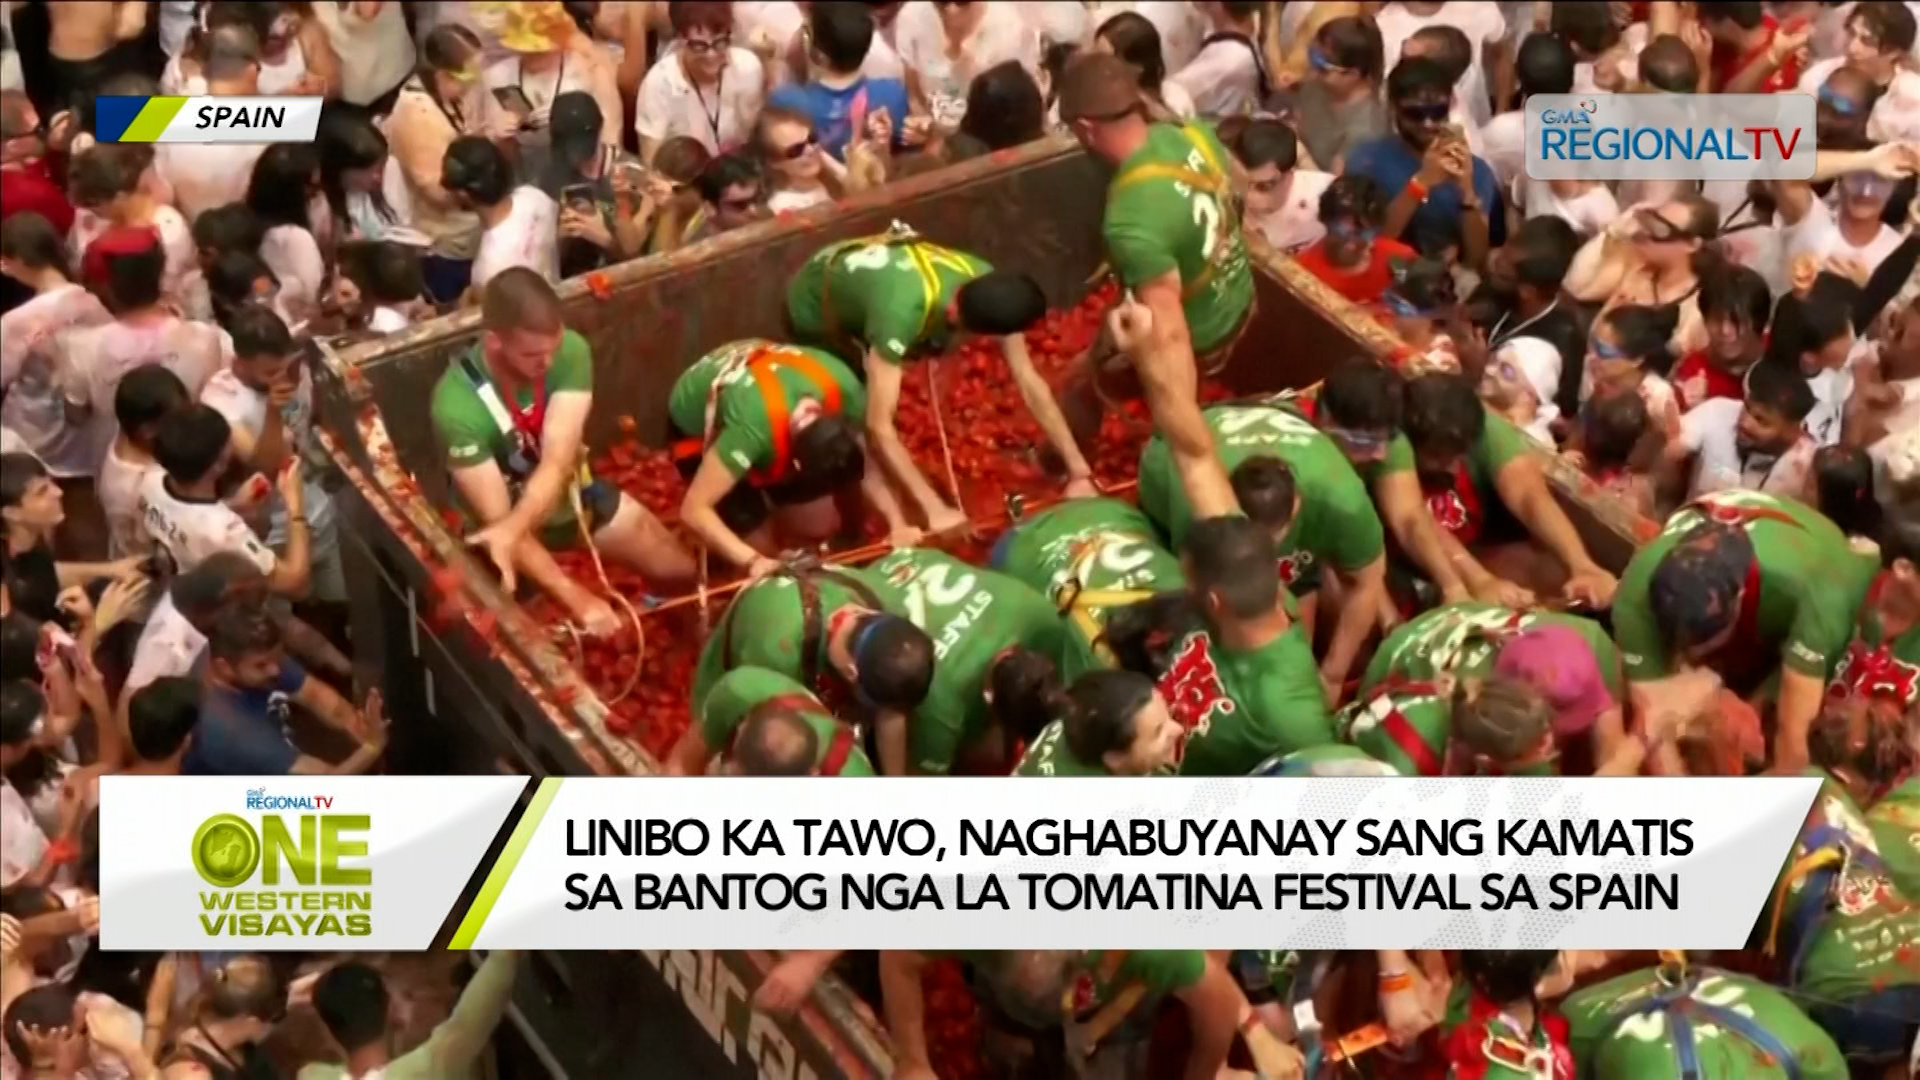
[
  {"x": 513, "y": 99},
  {"x": 579, "y": 198}
]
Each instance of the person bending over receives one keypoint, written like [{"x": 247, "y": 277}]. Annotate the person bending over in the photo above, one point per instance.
[
  {"x": 1484, "y": 487},
  {"x": 896, "y": 297},
  {"x": 1756, "y": 588},
  {"x": 769, "y": 434},
  {"x": 1116, "y": 724},
  {"x": 512, "y": 414},
  {"x": 767, "y": 724}
]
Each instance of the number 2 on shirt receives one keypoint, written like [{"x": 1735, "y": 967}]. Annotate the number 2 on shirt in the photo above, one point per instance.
[{"x": 934, "y": 589}]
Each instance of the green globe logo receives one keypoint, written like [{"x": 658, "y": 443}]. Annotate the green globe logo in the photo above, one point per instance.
[{"x": 225, "y": 850}]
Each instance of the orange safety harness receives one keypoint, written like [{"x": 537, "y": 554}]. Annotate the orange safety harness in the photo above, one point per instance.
[{"x": 762, "y": 363}]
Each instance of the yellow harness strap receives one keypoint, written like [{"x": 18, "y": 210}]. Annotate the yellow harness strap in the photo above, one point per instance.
[
  {"x": 1215, "y": 181},
  {"x": 1081, "y": 608},
  {"x": 924, "y": 255},
  {"x": 1805, "y": 865}
]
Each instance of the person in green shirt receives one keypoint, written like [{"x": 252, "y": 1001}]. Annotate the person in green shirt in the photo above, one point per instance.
[
  {"x": 1486, "y": 490},
  {"x": 512, "y": 414},
  {"x": 763, "y": 429},
  {"x": 1087, "y": 556},
  {"x": 1734, "y": 1026},
  {"x": 891, "y": 298},
  {"x": 994, "y": 684},
  {"x": 353, "y": 1002},
  {"x": 1744, "y": 584},
  {"x": 1028, "y": 992},
  {"x": 826, "y": 628},
  {"x": 1843, "y": 932},
  {"x": 1234, "y": 666},
  {"x": 1516, "y": 686},
  {"x": 1171, "y": 223},
  {"x": 1882, "y": 663},
  {"x": 767, "y": 724},
  {"x": 1333, "y": 759},
  {"x": 1116, "y": 724},
  {"x": 1295, "y": 481}
]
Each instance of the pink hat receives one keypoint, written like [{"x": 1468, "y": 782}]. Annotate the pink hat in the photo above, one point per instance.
[{"x": 1557, "y": 661}]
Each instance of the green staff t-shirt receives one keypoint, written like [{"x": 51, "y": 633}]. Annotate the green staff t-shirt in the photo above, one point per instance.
[
  {"x": 739, "y": 690},
  {"x": 879, "y": 294},
  {"x": 744, "y": 436}
]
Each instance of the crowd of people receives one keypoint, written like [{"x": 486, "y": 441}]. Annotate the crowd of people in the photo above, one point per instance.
[{"x": 1371, "y": 576}]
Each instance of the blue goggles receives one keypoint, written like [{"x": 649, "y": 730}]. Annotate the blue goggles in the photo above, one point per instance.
[
  {"x": 1406, "y": 308},
  {"x": 1833, "y": 100},
  {"x": 1320, "y": 61},
  {"x": 1359, "y": 439},
  {"x": 1607, "y": 350},
  {"x": 1347, "y": 230}
]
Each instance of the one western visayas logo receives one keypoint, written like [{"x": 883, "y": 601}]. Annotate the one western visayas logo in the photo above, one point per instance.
[{"x": 284, "y": 874}]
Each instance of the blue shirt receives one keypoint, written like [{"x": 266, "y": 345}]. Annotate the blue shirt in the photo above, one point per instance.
[
  {"x": 1389, "y": 162},
  {"x": 836, "y": 112},
  {"x": 244, "y": 732}
]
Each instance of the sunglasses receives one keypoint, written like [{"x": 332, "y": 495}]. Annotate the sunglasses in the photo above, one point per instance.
[
  {"x": 1832, "y": 99},
  {"x": 1431, "y": 114},
  {"x": 1660, "y": 230},
  {"x": 698, "y": 47},
  {"x": 799, "y": 150}
]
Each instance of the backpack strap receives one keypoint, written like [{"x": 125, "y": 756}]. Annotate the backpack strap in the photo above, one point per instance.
[{"x": 1265, "y": 83}]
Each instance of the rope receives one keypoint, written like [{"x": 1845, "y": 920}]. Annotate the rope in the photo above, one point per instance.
[
  {"x": 940, "y": 425},
  {"x": 633, "y": 615}
]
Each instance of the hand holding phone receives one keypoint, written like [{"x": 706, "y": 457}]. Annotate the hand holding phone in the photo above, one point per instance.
[{"x": 514, "y": 100}]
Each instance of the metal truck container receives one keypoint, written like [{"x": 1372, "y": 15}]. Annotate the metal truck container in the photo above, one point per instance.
[{"x": 492, "y": 692}]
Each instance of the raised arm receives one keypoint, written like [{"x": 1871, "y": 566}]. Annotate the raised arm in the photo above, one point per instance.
[{"x": 1163, "y": 356}]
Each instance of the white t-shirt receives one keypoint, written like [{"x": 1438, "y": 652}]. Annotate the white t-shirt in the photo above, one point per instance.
[
  {"x": 168, "y": 646},
  {"x": 294, "y": 256},
  {"x": 1224, "y": 80},
  {"x": 1480, "y": 20},
  {"x": 206, "y": 175},
  {"x": 95, "y": 359},
  {"x": 388, "y": 320},
  {"x": 278, "y": 76},
  {"x": 781, "y": 201},
  {"x": 375, "y": 54},
  {"x": 1818, "y": 234},
  {"x": 181, "y": 281},
  {"x": 1503, "y": 145},
  {"x": 118, "y": 488},
  {"x": 670, "y": 105},
  {"x": 1708, "y": 430},
  {"x": 35, "y": 408},
  {"x": 246, "y": 408},
  {"x": 191, "y": 529},
  {"x": 1181, "y": 25},
  {"x": 1832, "y": 389},
  {"x": 526, "y": 238},
  {"x": 1896, "y": 113},
  {"x": 1296, "y": 224},
  {"x": 1588, "y": 212},
  {"x": 22, "y": 844},
  {"x": 1061, "y": 22},
  {"x": 1002, "y": 35}
]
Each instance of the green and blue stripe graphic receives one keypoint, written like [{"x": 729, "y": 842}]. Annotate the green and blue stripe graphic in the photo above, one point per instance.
[{"x": 134, "y": 119}]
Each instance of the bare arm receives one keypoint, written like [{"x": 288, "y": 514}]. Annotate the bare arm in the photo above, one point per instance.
[
  {"x": 327, "y": 706},
  {"x": 1598, "y": 268},
  {"x": 879, "y": 494},
  {"x": 1364, "y": 589},
  {"x": 1046, "y": 411},
  {"x": 699, "y": 511},
  {"x": 690, "y": 755},
  {"x": 904, "y": 1002},
  {"x": 1404, "y": 512},
  {"x": 1523, "y": 487},
  {"x": 484, "y": 490},
  {"x": 1163, "y": 356},
  {"x": 883, "y": 398},
  {"x": 1214, "y": 1005},
  {"x": 1796, "y": 708},
  {"x": 466, "y": 1033},
  {"x": 323, "y": 67}
]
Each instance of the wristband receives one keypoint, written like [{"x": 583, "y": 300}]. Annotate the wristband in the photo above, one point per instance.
[
  {"x": 1392, "y": 982},
  {"x": 1417, "y": 189},
  {"x": 62, "y": 851}
]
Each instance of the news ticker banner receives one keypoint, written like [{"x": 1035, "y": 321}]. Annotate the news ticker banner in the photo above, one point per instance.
[
  {"x": 1669, "y": 136},
  {"x": 376, "y": 863},
  {"x": 218, "y": 119}
]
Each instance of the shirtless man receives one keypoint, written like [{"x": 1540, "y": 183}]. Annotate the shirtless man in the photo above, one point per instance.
[{"x": 90, "y": 43}]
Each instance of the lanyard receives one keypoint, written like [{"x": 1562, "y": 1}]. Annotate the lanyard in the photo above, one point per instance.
[
  {"x": 559, "y": 79},
  {"x": 510, "y": 419},
  {"x": 719, "y": 105},
  {"x": 1497, "y": 338}
]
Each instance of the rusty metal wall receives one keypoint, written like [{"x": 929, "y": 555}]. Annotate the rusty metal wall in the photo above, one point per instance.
[{"x": 1036, "y": 208}]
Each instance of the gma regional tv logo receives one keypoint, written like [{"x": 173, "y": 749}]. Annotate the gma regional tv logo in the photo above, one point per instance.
[
  {"x": 284, "y": 874},
  {"x": 1669, "y": 136}
]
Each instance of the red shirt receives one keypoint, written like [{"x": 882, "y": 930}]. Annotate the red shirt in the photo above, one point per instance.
[
  {"x": 1727, "y": 63},
  {"x": 1365, "y": 284},
  {"x": 32, "y": 187},
  {"x": 1696, "y": 379}
]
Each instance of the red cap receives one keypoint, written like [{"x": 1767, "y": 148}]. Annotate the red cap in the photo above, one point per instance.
[{"x": 116, "y": 241}]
